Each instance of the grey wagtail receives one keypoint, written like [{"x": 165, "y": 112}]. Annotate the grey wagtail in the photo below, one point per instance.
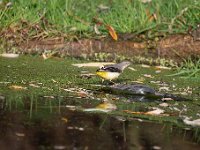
[{"x": 111, "y": 72}]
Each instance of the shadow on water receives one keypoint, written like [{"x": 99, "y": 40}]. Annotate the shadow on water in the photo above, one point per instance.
[{"x": 47, "y": 124}]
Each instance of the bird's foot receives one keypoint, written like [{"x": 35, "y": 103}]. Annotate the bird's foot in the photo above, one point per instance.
[{"x": 112, "y": 83}]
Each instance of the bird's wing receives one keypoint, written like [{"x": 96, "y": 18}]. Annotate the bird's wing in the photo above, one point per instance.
[{"x": 110, "y": 69}]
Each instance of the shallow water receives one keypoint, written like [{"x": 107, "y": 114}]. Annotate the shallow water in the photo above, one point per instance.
[
  {"x": 57, "y": 127},
  {"x": 34, "y": 94}
]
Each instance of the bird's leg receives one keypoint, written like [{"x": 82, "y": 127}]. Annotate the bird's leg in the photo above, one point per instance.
[{"x": 112, "y": 82}]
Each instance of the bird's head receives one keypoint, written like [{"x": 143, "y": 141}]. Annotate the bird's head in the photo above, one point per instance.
[{"x": 124, "y": 64}]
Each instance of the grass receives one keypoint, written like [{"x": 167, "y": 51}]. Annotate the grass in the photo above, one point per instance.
[
  {"x": 189, "y": 68},
  {"x": 75, "y": 17}
]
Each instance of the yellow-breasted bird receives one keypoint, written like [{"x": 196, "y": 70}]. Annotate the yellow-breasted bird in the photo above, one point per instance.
[{"x": 111, "y": 72}]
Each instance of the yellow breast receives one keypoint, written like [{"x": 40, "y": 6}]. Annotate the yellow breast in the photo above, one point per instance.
[{"x": 108, "y": 75}]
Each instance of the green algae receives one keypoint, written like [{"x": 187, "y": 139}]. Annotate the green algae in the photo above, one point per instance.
[{"x": 55, "y": 82}]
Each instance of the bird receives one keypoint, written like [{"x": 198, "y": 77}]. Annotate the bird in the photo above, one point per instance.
[{"x": 111, "y": 72}]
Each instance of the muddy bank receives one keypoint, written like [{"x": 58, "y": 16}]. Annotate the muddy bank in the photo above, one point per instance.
[{"x": 174, "y": 47}]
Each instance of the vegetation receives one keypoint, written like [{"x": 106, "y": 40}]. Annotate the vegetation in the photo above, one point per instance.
[
  {"x": 189, "y": 68},
  {"x": 32, "y": 78},
  {"x": 74, "y": 17},
  {"x": 36, "y": 86}
]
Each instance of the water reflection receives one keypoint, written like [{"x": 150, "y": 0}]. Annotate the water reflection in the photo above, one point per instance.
[{"x": 67, "y": 129}]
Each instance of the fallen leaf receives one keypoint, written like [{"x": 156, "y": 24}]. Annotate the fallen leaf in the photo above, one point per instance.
[
  {"x": 70, "y": 89},
  {"x": 75, "y": 128},
  {"x": 59, "y": 147},
  {"x": 155, "y": 82},
  {"x": 176, "y": 109},
  {"x": 54, "y": 81},
  {"x": 164, "y": 105},
  {"x": 145, "y": 1},
  {"x": 164, "y": 88},
  {"x": 192, "y": 123},
  {"x": 82, "y": 94},
  {"x": 158, "y": 71},
  {"x": 160, "y": 83},
  {"x": 102, "y": 7},
  {"x": 5, "y": 82},
  {"x": 9, "y": 55},
  {"x": 156, "y": 147},
  {"x": 115, "y": 98},
  {"x": 133, "y": 112},
  {"x": 120, "y": 118},
  {"x": 64, "y": 119},
  {"x": 96, "y": 30},
  {"x": 9, "y": 4},
  {"x": 145, "y": 66},
  {"x": 19, "y": 134},
  {"x": 2, "y": 97},
  {"x": 112, "y": 32},
  {"x": 162, "y": 67},
  {"x": 73, "y": 29},
  {"x": 93, "y": 64},
  {"x": 17, "y": 87},
  {"x": 104, "y": 107},
  {"x": 167, "y": 99},
  {"x": 71, "y": 107},
  {"x": 131, "y": 68},
  {"x": 148, "y": 76},
  {"x": 184, "y": 93},
  {"x": 157, "y": 111},
  {"x": 139, "y": 82},
  {"x": 79, "y": 128},
  {"x": 34, "y": 85},
  {"x": 47, "y": 96},
  {"x": 96, "y": 110},
  {"x": 151, "y": 16},
  {"x": 48, "y": 54},
  {"x": 107, "y": 105},
  {"x": 110, "y": 29}
]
